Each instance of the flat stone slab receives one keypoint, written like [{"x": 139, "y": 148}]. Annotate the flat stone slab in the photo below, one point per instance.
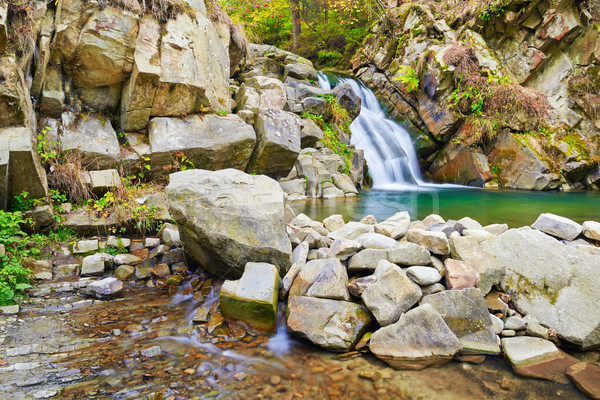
[
  {"x": 587, "y": 378},
  {"x": 330, "y": 324},
  {"x": 537, "y": 358},
  {"x": 418, "y": 340},
  {"x": 253, "y": 298},
  {"x": 467, "y": 316}
]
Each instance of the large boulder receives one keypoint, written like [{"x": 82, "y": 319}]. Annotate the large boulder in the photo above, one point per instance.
[
  {"x": 310, "y": 134},
  {"x": 418, "y": 340},
  {"x": 261, "y": 92},
  {"x": 325, "y": 278},
  {"x": 467, "y": 316},
  {"x": 395, "y": 226},
  {"x": 228, "y": 218},
  {"x": 436, "y": 242},
  {"x": 467, "y": 249},
  {"x": 557, "y": 284},
  {"x": 277, "y": 142},
  {"x": 331, "y": 324},
  {"x": 253, "y": 298},
  {"x": 15, "y": 104},
  {"x": 210, "y": 142},
  {"x": 391, "y": 295}
]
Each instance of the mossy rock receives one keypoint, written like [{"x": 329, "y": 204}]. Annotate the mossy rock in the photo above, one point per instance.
[{"x": 253, "y": 298}]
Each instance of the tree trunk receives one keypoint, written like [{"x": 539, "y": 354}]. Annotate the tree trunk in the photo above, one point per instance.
[{"x": 295, "y": 24}]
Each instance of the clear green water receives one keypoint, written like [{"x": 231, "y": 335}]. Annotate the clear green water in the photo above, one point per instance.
[{"x": 515, "y": 208}]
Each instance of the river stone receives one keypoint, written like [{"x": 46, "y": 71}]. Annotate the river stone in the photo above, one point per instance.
[
  {"x": 496, "y": 229},
  {"x": 210, "y": 142},
  {"x": 124, "y": 272},
  {"x": 367, "y": 259},
  {"x": 469, "y": 250},
  {"x": 436, "y": 242},
  {"x": 331, "y": 324},
  {"x": 497, "y": 323},
  {"x": 228, "y": 218},
  {"x": 395, "y": 226},
  {"x": 515, "y": 323},
  {"x": 95, "y": 264},
  {"x": 460, "y": 275},
  {"x": 418, "y": 340},
  {"x": 357, "y": 286},
  {"x": 105, "y": 287},
  {"x": 342, "y": 249},
  {"x": 253, "y": 298},
  {"x": 288, "y": 279},
  {"x": 423, "y": 275},
  {"x": 478, "y": 234},
  {"x": 391, "y": 295},
  {"x": 334, "y": 222},
  {"x": 169, "y": 234},
  {"x": 85, "y": 246},
  {"x": 467, "y": 316},
  {"x": 300, "y": 254},
  {"x": 128, "y": 259},
  {"x": 587, "y": 378},
  {"x": 324, "y": 278},
  {"x": 409, "y": 254},
  {"x": 594, "y": 250},
  {"x": 374, "y": 240},
  {"x": 558, "y": 226},
  {"x": 591, "y": 230},
  {"x": 537, "y": 358},
  {"x": 469, "y": 223},
  {"x": 351, "y": 231},
  {"x": 41, "y": 269},
  {"x": 64, "y": 270},
  {"x": 556, "y": 284},
  {"x": 277, "y": 142},
  {"x": 433, "y": 219}
]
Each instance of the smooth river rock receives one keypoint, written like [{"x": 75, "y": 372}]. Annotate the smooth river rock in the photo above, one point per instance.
[
  {"x": 253, "y": 298},
  {"x": 556, "y": 284},
  {"x": 467, "y": 316},
  {"x": 418, "y": 340},
  {"x": 391, "y": 295},
  {"x": 228, "y": 218},
  {"x": 436, "y": 242},
  {"x": 331, "y": 324},
  {"x": 326, "y": 279},
  {"x": 558, "y": 226}
]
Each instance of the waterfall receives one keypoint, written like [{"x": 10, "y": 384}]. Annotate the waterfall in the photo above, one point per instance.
[{"x": 389, "y": 151}]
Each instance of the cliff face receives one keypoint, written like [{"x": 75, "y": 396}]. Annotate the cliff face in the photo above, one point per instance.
[{"x": 504, "y": 94}]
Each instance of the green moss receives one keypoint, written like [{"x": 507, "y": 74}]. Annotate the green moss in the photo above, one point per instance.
[{"x": 578, "y": 144}]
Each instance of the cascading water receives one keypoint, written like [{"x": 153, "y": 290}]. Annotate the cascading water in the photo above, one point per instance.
[{"x": 389, "y": 151}]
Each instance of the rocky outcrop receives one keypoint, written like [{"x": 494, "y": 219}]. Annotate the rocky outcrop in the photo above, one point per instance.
[
  {"x": 228, "y": 218},
  {"x": 563, "y": 297},
  {"x": 496, "y": 96}
]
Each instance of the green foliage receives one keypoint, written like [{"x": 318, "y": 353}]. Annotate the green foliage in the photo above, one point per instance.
[
  {"x": 492, "y": 10},
  {"x": 23, "y": 202},
  {"x": 46, "y": 148},
  {"x": 14, "y": 278},
  {"x": 263, "y": 21},
  {"x": 408, "y": 77}
]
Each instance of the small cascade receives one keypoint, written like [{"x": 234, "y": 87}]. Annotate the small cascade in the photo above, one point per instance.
[
  {"x": 388, "y": 147},
  {"x": 280, "y": 343}
]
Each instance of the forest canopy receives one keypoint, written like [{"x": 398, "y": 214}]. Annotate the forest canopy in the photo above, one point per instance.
[{"x": 325, "y": 31}]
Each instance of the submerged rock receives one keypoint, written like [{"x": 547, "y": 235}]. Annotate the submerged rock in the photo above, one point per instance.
[
  {"x": 587, "y": 378},
  {"x": 228, "y": 218},
  {"x": 537, "y": 358},
  {"x": 467, "y": 316},
  {"x": 330, "y": 324},
  {"x": 556, "y": 284},
  {"x": 253, "y": 298},
  {"x": 105, "y": 287},
  {"x": 418, "y": 340}
]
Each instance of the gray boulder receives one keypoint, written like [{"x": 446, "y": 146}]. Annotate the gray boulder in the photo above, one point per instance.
[
  {"x": 277, "y": 142},
  {"x": 374, "y": 240},
  {"x": 418, "y": 340},
  {"x": 395, "y": 226},
  {"x": 325, "y": 278},
  {"x": 351, "y": 231},
  {"x": 105, "y": 287},
  {"x": 409, "y": 254},
  {"x": 391, "y": 295},
  {"x": 227, "y": 218},
  {"x": 558, "y": 226},
  {"x": 591, "y": 230},
  {"x": 423, "y": 275},
  {"x": 209, "y": 142},
  {"x": 469, "y": 250},
  {"x": 310, "y": 134},
  {"x": 330, "y": 324},
  {"x": 467, "y": 316},
  {"x": 367, "y": 259},
  {"x": 300, "y": 71},
  {"x": 436, "y": 242},
  {"x": 556, "y": 284}
]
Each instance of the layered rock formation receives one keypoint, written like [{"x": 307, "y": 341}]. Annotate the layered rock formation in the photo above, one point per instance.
[{"x": 496, "y": 94}]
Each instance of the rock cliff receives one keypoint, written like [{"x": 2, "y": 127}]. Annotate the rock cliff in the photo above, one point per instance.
[{"x": 496, "y": 93}]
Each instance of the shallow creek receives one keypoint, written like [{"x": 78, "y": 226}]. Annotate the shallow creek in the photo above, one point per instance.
[{"x": 66, "y": 346}]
